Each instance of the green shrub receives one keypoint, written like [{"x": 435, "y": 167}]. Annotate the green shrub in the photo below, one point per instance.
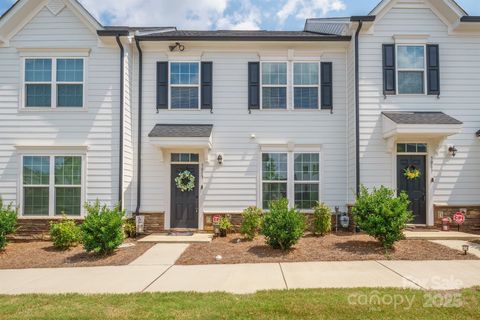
[
  {"x": 382, "y": 214},
  {"x": 102, "y": 230},
  {"x": 251, "y": 222},
  {"x": 130, "y": 228},
  {"x": 322, "y": 219},
  {"x": 8, "y": 223},
  {"x": 65, "y": 234},
  {"x": 225, "y": 224},
  {"x": 281, "y": 226}
]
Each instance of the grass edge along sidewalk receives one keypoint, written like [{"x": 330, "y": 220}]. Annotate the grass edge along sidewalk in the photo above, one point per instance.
[{"x": 288, "y": 304}]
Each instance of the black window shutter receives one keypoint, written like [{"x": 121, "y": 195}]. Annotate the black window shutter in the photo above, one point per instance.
[
  {"x": 162, "y": 85},
  {"x": 389, "y": 77},
  {"x": 327, "y": 85},
  {"x": 433, "y": 69},
  {"x": 207, "y": 85},
  {"x": 253, "y": 85}
]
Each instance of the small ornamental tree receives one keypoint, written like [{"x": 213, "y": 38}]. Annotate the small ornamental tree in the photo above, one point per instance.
[
  {"x": 282, "y": 226},
  {"x": 382, "y": 214},
  {"x": 8, "y": 223},
  {"x": 322, "y": 219},
  {"x": 251, "y": 222},
  {"x": 102, "y": 230}
]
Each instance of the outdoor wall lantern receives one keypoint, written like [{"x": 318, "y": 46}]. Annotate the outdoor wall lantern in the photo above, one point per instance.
[
  {"x": 178, "y": 46},
  {"x": 453, "y": 151},
  {"x": 465, "y": 248},
  {"x": 220, "y": 159}
]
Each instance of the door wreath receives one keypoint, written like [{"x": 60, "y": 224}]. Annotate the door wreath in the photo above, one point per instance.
[
  {"x": 185, "y": 181},
  {"x": 412, "y": 172}
]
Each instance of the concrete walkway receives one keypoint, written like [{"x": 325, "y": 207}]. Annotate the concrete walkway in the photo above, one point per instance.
[
  {"x": 243, "y": 278},
  {"x": 440, "y": 235},
  {"x": 474, "y": 248}
]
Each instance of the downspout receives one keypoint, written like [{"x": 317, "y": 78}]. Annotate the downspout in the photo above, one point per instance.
[
  {"x": 357, "y": 109},
  {"x": 139, "y": 137},
  {"x": 122, "y": 98}
]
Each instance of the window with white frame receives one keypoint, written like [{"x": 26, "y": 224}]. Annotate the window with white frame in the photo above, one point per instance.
[
  {"x": 184, "y": 85},
  {"x": 295, "y": 171},
  {"x": 274, "y": 177},
  {"x": 411, "y": 69},
  {"x": 307, "y": 179},
  {"x": 274, "y": 85},
  {"x": 54, "y": 83},
  {"x": 306, "y": 85},
  {"x": 52, "y": 185}
]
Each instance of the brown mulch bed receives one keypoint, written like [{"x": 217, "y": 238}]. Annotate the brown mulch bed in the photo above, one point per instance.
[
  {"x": 42, "y": 254},
  {"x": 334, "y": 247}
]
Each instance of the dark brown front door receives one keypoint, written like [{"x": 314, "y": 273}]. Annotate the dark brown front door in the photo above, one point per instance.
[
  {"x": 184, "y": 205},
  {"x": 416, "y": 189}
]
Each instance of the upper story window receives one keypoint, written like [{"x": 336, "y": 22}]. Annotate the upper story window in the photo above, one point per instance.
[
  {"x": 54, "y": 83},
  {"x": 274, "y": 85},
  {"x": 305, "y": 85},
  {"x": 184, "y": 85},
  {"x": 411, "y": 69}
]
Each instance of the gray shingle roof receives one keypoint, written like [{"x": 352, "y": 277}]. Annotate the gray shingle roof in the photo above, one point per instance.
[
  {"x": 332, "y": 26},
  {"x": 420, "y": 118},
  {"x": 181, "y": 131},
  {"x": 254, "y": 35}
]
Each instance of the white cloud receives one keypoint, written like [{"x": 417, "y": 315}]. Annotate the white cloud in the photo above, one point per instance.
[
  {"x": 303, "y": 9},
  {"x": 209, "y": 14},
  {"x": 185, "y": 14}
]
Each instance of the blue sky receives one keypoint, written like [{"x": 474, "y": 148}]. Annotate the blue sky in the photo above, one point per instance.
[{"x": 228, "y": 14}]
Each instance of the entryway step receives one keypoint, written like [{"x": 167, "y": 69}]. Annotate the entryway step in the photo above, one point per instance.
[
  {"x": 440, "y": 235},
  {"x": 168, "y": 238}
]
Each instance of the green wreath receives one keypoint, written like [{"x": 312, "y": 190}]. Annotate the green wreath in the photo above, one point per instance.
[
  {"x": 185, "y": 181},
  {"x": 412, "y": 172}
]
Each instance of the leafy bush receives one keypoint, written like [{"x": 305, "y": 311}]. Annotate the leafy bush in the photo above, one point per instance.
[
  {"x": 251, "y": 222},
  {"x": 282, "y": 227},
  {"x": 382, "y": 214},
  {"x": 8, "y": 223},
  {"x": 322, "y": 219},
  {"x": 65, "y": 234},
  {"x": 130, "y": 228},
  {"x": 102, "y": 230},
  {"x": 225, "y": 224}
]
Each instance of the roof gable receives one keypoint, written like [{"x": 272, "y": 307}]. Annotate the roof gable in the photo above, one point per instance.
[
  {"x": 23, "y": 11},
  {"x": 447, "y": 10}
]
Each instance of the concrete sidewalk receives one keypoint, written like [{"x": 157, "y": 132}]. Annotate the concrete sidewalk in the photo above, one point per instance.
[{"x": 243, "y": 278}]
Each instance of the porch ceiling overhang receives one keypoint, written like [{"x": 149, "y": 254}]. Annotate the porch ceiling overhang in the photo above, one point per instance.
[
  {"x": 419, "y": 124},
  {"x": 168, "y": 136}
]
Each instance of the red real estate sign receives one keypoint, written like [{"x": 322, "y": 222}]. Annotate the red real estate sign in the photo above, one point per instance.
[{"x": 459, "y": 218}]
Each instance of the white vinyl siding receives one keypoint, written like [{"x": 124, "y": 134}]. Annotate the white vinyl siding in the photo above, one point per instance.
[
  {"x": 95, "y": 127},
  {"x": 236, "y": 184},
  {"x": 456, "y": 180}
]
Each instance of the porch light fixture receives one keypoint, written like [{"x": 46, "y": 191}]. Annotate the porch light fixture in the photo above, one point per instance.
[
  {"x": 220, "y": 159},
  {"x": 453, "y": 151},
  {"x": 178, "y": 46},
  {"x": 465, "y": 248}
]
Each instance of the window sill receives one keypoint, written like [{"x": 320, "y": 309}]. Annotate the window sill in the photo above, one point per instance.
[
  {"x": 292, "y": 110},
  {"x": 41, "y": 110},
  {"x": 80, "y": 218}
]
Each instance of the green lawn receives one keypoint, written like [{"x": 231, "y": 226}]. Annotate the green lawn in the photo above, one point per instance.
[{"x": 293, "y": 304}]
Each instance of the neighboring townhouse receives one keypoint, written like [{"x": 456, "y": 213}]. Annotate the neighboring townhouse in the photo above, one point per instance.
[{"x": 180, "y": 126}]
